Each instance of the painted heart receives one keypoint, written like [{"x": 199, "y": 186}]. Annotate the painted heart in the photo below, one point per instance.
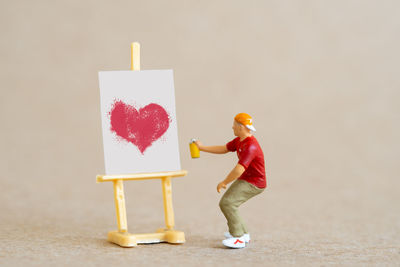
[{"x": 140, "y": 127}]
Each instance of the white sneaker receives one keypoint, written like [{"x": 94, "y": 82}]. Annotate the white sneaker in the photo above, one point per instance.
[
  {"x": 234, "y": 242},
  {"x": 245, "y": 236}
]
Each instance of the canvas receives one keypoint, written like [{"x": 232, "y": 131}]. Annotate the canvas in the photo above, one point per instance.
[{"x": 139, "y": 121}]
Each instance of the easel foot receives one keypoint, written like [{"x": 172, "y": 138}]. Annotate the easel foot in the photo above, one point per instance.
[
  {"x": 123, "y": 239},
  {"x": 131, "y": 240},
  {"x": 172, "y": 236}
]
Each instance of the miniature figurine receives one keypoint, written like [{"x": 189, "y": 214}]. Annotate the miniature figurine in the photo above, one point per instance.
[{"x": 248, "y": 176}]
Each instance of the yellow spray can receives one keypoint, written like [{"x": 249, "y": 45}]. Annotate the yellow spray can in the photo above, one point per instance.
[{"x": 194, "y": 150}]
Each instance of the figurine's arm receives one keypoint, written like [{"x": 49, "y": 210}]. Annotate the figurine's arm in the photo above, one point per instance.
[
  {"x": 233, "y": 175},
  {"x": 212, "y": 149}
]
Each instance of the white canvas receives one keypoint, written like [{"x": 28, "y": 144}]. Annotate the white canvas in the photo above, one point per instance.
[{"x": 135, "y": 108}]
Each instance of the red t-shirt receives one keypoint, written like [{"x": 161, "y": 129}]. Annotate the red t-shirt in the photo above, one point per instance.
[{"x": 251, "y": 157}]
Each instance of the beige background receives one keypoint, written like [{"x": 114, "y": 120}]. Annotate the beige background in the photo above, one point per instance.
[{"x": 320, "y": 79}]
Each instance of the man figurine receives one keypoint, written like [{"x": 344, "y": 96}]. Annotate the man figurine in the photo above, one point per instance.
[{"x": 248, "y": 174}]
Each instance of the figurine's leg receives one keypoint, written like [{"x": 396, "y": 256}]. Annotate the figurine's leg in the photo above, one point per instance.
[
  {"x": 244, "y": 227},
  {"x": 238, "y": 193}
]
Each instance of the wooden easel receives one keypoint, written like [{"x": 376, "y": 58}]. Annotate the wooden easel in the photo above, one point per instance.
[{"x": 121, "y": 236}]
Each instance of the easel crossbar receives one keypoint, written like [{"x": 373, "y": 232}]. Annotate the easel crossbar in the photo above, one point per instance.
[{"x": 140, "y": 176}]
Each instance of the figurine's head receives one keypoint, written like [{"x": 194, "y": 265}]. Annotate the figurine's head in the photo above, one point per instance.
[{"x": 243, "y": 124}]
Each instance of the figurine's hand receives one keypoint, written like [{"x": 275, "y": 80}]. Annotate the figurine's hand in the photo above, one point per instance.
[
  {"x": 199, "y": 144},
  {"x": 220, "y": 186}
]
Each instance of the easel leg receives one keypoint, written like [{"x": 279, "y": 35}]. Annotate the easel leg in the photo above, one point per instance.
[
  {"x": 120, "y": 206},
  {"x": 168, "y": 208},
  {"x": 170, "y": 235}
]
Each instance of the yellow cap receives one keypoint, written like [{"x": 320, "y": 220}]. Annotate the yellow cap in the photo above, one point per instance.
[{"x": 246, "y": 120}]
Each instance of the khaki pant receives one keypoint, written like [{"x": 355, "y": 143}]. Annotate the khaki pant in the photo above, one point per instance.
[{"x": 238, "y": 193}]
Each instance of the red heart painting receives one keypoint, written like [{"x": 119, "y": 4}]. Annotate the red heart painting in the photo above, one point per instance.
[{"x": 140, "y": 127}]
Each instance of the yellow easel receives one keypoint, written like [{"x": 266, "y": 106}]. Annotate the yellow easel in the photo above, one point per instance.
[{"x": 121, "y": 236}]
